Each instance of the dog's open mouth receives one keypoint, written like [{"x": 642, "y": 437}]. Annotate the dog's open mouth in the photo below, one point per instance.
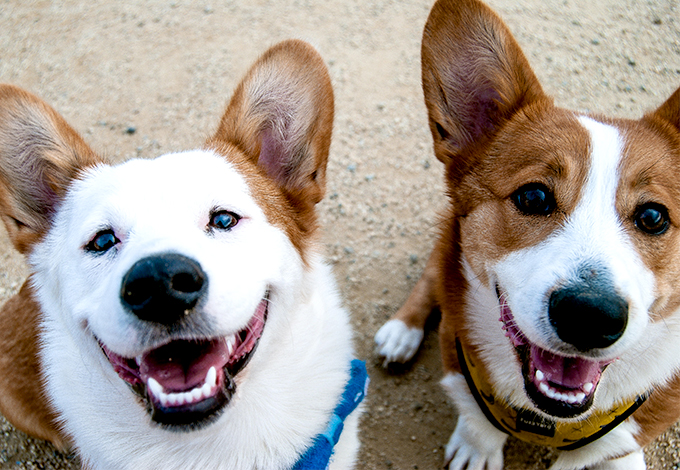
[
  {"x": 187, "y": 383},
  {"x": 558, "y": 385}
]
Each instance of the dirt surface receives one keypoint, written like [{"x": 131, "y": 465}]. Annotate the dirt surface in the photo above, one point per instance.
[{"x": 139, "y": 80}]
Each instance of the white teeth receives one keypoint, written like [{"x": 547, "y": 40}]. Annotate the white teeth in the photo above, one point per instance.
[
  {"x": 230, "y": 344},
  {"x": 211, "y": 377},
  {"x": 172, "y": 398},
  {"x": 178, "y": 399},
  {"x": 550, "y": 392},
  {"x": 155, "y": 388}
]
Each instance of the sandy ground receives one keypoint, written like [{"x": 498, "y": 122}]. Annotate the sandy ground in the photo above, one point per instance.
[{"x": 167, "y": 68}]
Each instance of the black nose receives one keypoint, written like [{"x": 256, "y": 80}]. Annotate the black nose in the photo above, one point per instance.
[
  {"x": 163, "y": 288},
  {"x": 587, "y": 316}
]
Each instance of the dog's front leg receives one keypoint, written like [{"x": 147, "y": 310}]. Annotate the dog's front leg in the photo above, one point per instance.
[
  {"x": 634, "y": 461},
  {"x": 475, "y": 443}
]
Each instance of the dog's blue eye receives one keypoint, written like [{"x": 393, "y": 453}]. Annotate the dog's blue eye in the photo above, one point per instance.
[
  {"x": 223, "y": 220},
  {"x": 534, "y": 199},
  {"x": 102, "y": 241},
  {"x": 652, "y": 218}
]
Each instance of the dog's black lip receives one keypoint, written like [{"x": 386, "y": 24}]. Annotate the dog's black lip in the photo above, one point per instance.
[{"x": 194, "y": 416}]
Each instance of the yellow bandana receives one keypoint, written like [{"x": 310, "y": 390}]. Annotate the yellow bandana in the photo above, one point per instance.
[{"x": 532, "y": 427}]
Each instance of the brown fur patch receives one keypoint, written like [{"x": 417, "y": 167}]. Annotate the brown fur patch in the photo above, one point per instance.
[
  {"x": 659, "y": 412},
  {"x": 651, "y": 163},
  {"x": 539, "y": 145},
  {"x": 22, "y": 400}
]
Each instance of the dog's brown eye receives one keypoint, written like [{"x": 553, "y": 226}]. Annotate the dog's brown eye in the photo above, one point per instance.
[
  {"x": 102, "y": 241},
  {"x": 534, "y": 199},
  {"x": 223, "y": 220},
  {"x": 652, "y": 218}
]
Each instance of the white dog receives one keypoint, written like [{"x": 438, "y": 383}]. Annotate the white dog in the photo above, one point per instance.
[{"x": 178, "y": 313}]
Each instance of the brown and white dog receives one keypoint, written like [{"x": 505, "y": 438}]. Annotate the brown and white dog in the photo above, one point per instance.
[
  {"x": 558, "y": 264},
  {"x": 178, "y": 314}
]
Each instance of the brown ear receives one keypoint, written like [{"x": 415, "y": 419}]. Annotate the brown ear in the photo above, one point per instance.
[
  {"x": 39, "y": 155},
  {"x": 474, "y": 75},
  {"x": 669, "y": 111},
  {"x": 281, "y": 117}
]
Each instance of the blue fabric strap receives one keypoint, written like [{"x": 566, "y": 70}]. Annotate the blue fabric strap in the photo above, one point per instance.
[{"x": 318, "y": 456}]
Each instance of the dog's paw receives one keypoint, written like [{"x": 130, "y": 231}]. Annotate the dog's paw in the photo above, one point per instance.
[
  {"x": 633, "y": 461},
  {"x": 396, "y": 342},
  {"x": 468, "y": 450}
]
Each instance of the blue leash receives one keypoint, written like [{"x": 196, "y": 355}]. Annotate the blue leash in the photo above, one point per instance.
[{"x": 318, "y": 456}]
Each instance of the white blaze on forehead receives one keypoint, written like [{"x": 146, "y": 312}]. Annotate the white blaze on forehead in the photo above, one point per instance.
[
  {"x": 594, "y": 226},
  {"x": 605, "y": 158}
]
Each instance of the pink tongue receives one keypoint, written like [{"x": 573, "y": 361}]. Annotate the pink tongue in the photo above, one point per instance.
[
  {"x": 182, "y": 365},
  {"x": 567, "y": 372}
]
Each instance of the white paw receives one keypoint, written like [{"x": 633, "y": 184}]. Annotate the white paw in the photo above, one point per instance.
[
  {"x": 396, "y": 342},
  {"x": 468, "y": 450},
  {"x": 633, "y": 461}
]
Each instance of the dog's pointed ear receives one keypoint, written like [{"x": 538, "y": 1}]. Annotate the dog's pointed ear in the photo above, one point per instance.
[
  {"x": 39, "y": 156},
  {"x": 474, "y": 75},
  {"x": 669, "y": 111},
  {"x": 281, "y": 117}
]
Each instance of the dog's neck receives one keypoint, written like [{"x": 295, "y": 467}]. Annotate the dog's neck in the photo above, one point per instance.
[
  {"x": 319, "y": 454},
  {"x": 533, "y": 428}
]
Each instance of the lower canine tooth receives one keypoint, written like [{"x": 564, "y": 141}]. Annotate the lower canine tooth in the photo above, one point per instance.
[{"x": 588, "y": 387}]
